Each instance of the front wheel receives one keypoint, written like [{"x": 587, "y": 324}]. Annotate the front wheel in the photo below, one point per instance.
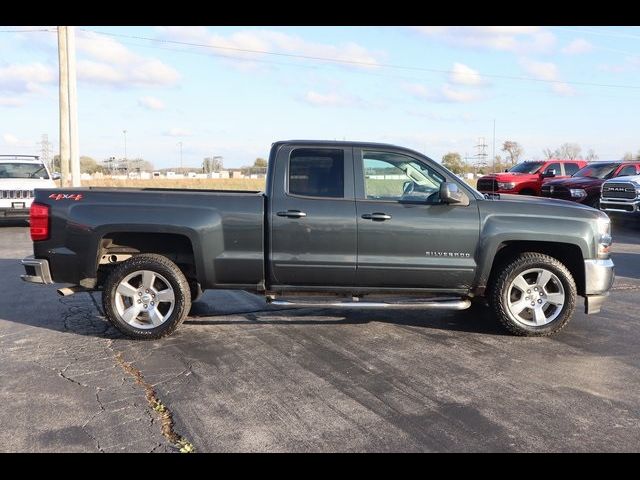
[
  {"x": 146, "y": 297},
  {"x": 534, "y": 295}
]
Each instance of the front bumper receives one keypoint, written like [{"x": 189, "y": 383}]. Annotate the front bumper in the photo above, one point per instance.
[
  {"x": 599, "y": 276},
  {"x": 617, "y": 207},
  {"x": 36, "y": 270}
]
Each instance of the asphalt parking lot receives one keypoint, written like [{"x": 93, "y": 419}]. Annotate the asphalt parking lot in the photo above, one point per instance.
[{"x": 239, "y": 376}]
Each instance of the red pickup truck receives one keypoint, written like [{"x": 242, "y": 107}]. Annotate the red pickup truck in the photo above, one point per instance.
[{"x": 526, "y": 178}]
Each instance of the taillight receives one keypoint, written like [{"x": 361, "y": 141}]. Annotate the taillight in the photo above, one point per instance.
[{"x": 39, "y": 220}]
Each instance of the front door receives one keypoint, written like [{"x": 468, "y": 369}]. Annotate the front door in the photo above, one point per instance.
[
  {"x": 313, "y": 217},
  {"x": 406, "y": 237}
]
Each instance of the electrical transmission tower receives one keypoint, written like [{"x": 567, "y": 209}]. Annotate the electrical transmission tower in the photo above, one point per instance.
[
  {"x": 481, "y": 156},
  {"x": 45, "y": 151}
]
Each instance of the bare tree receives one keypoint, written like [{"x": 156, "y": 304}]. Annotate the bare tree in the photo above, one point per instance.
[
  {"x": 569, "y": 151},
  {"x": 592, "y": 156},
  {"x": 549, "y": 154},
  {"x": 628, "y": 156},
  {"x": 513, "y": 149}
]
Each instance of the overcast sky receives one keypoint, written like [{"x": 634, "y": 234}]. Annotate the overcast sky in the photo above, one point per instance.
[{"x": 434, "y": 89}]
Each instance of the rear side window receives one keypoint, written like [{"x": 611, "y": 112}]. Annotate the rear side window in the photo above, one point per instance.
[
  {"x": 317, "y": 172},
  {"x": 571, "y": 168}
]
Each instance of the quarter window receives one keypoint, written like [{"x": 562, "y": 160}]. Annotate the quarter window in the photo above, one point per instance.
[
  {"x": 392, "y": 176},
  {"x": 316, "y": 172}
]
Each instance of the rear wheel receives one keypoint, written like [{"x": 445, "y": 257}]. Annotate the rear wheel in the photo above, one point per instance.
[
  {"x": 534, "y": 295},
  {"x": 146, "y": 297}
]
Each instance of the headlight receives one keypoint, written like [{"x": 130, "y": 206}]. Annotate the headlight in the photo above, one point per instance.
[
  {"x": 604, "y": 236},
  {"x": 578, "y": 193},
  {"x": 506, "y": 185}
]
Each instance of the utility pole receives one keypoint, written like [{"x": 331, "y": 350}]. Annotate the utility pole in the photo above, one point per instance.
[
  {"x": 73, "y": 107},
  {"x": 494, "y": 146},
  {"x": 45, "y": 151},
  {"x": 69, "y": 145},
  {"x": 64, "y": 106},
  {"x": 482, "y": 152},
  {"x": 124, "y": 132},
  {"x": 180, "y": 143}
]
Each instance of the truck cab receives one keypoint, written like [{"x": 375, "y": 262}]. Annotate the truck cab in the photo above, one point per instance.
[{"x": 526, "y": 178}]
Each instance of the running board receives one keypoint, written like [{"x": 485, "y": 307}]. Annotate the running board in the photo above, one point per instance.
[{"x": 435, "y": 304}]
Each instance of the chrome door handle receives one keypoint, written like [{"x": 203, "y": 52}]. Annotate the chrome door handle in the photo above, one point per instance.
[
  {"x": 292, "y": 214},
  {"x": 376, "y": 217}
]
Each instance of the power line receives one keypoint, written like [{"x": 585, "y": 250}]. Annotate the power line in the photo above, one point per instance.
[
  {"x": 28, "y": 30},
  {"x": 358, "y": 62}
]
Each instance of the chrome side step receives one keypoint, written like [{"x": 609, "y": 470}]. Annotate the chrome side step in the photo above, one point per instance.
[{"x": 435, "y": 304}]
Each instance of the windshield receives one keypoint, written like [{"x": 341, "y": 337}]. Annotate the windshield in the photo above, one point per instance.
[
  {"x": 602, "y": 170},
  {"x": 23, "y": 170},
  {"x": 526, "y": 167}
]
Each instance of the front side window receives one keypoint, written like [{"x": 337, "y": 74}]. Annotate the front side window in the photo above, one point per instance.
[
  {"x": 627, "y": 170},
  {"x": 553, "y": 166},
  {"x": 316, "y": 172},
  {"x": 392, "y": 176},
  {"x": 23, "y": 170}
]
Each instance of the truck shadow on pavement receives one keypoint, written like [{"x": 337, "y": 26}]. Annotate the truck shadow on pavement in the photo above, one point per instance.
[{"x": 477, "y": 319}]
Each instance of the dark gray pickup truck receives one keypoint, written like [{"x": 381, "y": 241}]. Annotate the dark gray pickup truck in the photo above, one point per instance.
[{"x": 341, "y": 224}]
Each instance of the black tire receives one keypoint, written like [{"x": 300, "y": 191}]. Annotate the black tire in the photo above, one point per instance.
[
  {"x": 196, "y": 290},
  {"x": 157, "y": 264},
  {"x": 500, "y": 288},
  {"x": 526, "y": 191}
]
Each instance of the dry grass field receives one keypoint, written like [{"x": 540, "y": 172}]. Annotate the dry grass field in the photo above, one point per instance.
[{"x": 196, "y": 183}]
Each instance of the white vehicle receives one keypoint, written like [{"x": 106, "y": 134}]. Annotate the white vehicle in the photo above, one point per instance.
[
  {"x": 20, "y": 175},
  {"x": 620, "y": 196}
]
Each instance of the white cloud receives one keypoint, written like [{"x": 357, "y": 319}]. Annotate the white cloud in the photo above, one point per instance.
[
  {"x": 10, "y": 102},
  {"x": 177, "y": 132},
  {"x": 540, "y": 70},
  {"x": 272, "y": 41},
  {"x": 151, "y": 103},
  {"x": 446, "y": 93},
  {"x": 10, "y": 139},
  {"x": 331, "y": 99},
  {"x": 26, "y": 77},
  {"x": 547, "y": 71},
  {"x": 577, "y": 46},
  {"x": 104, "y": 60},
  {"x": 464, "y": 75},
  {"x": 518, "y": 39}
]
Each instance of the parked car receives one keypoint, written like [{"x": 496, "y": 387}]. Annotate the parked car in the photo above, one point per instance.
[
  {"x": 20, "y": 175},
  {"x": 621, "y": 197},
  {"x": 526, "y": 178},
  {"x": 585, "y": 185},
  {"x": 341, "y": 224}
]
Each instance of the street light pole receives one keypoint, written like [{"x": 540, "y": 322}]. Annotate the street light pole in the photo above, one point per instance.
[{"x": 180, "y": 143}]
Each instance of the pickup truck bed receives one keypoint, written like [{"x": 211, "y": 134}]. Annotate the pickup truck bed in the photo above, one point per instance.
[{"x": 224, "y": 228}]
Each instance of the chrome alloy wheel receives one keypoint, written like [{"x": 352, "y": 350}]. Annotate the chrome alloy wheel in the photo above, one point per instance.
[
  {"x": 535, "y": 297},
  {"x": 144, "y": 299}
]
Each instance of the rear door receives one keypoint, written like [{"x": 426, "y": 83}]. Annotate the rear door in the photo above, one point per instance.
[
  {"x": 312, "y": 217},
  {"x": 406, "y": 237}
]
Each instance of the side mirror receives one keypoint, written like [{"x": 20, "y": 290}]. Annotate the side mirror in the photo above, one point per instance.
[
  {"x": 549, "y": 173},
  {"x": 450, "y": 193},
  {"x": 506, "y": 170},
  {"x": 55, "y": 176}
]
